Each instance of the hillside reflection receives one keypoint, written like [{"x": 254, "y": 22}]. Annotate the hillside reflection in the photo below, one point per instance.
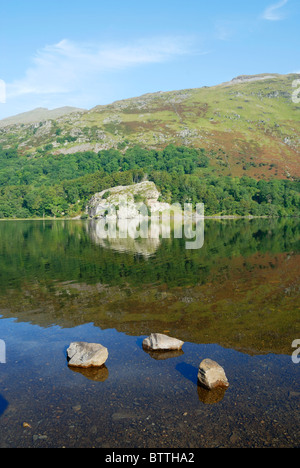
[{"x": 241, "y": 289}]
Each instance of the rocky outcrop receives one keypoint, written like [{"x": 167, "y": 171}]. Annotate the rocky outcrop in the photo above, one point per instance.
[
  {"x": 83, "y": 146},
  {"x": 126, "y": 202},
  {"x": 160, "y": 342},
  {"x": 81, "y": 354},
  {"x": 211, "y": 375},
  {"x": 249, "y": 78}
]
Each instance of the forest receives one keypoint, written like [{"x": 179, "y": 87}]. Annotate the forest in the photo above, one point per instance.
[{"x": 48, "y": 185}]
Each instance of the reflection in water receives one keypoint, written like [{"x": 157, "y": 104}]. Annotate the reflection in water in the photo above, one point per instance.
[
  {"x": 117, "y": 240},
  {"x": 210, "y": 397},
  {"x": 97, "y": 374},
  {"x": 162, "y": 355},
  {"x": 240, "y": 289},
  {"x": 143, "y": 235}
]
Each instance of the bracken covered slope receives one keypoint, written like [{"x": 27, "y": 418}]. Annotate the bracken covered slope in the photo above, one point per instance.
[{"x": 251, "y": 125}]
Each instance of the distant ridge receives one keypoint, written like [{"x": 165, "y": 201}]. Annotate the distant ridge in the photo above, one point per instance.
[
  {"x": 38, "y": 115},
  {"x": 248, "y": 78}
]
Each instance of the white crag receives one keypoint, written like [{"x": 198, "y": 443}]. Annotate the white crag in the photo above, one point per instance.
[{"x": 126, "y": 202}]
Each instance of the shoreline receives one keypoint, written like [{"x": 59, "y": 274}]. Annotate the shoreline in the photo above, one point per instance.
[{"x": 202, "y": 217}]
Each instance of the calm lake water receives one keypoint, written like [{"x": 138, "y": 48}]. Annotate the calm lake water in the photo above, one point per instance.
[{"x": 234, "y": 300}]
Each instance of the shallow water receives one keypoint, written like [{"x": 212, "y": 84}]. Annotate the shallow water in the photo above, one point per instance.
[{"x": 235, "y": 300}]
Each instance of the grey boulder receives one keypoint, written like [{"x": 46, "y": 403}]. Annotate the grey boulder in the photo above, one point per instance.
[
  {"x": 158, "y": 341},
  {"x": 81, "y": 354},
  {"x": 211, "y": 375}
]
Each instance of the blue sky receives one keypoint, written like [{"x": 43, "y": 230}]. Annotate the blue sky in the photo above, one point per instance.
[{"x": 84, "y": 53}]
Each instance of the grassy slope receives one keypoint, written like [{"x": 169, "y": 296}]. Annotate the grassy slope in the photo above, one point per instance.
[{"x": 252, "y": 126}]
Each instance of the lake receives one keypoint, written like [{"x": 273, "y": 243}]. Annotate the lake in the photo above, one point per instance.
[{"x": 235, "y": 300}]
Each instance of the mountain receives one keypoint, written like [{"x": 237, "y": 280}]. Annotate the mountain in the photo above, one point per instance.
[
  {"x": 37, "y": 115},
  {"x": 250, "y": 126}
]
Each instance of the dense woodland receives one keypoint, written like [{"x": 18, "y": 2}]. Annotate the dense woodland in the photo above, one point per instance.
[{"x": 47, "y": 185}]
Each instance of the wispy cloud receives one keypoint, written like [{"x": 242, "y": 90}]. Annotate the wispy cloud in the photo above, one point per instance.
[
  {"x": 68, "y": 66},
  {"x": 272, "y": 13},
  {"x": 223, "y": 30}
]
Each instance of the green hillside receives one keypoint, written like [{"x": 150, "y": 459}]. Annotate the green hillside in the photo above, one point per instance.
[
  {"x": 234, "y": 147},
  {"x": 250, "y": 123}
]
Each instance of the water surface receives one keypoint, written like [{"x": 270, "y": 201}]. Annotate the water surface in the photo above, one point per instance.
[{"x": 235, "y": 300}]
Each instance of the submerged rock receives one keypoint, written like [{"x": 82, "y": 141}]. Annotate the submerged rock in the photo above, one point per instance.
[
  {"x": 81, "y": 354},
  {"x": 211, "y": 375},
  {"x": 210, "y": 397},
  {"x": 158, "y": 341},
  {"x": 97, "y": 374},
  {"x": 162, "y": 354}
]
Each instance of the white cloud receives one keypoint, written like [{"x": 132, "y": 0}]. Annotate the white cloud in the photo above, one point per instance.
[
  {"x": 67, "y": 66},
  {"x": 272, "y": 13}
]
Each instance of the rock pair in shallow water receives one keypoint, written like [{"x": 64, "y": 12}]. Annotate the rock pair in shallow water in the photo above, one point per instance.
[
  {"x": 81, "y": 354},
  {"x": 210, "y": 374}
]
